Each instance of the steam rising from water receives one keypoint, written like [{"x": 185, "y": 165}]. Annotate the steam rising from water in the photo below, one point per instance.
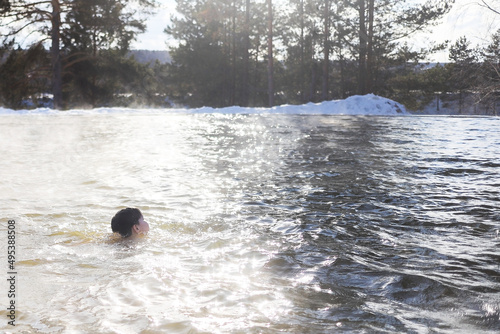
[{"x": 259, "y": 223}]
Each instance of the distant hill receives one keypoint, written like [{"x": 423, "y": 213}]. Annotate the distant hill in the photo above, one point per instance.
[{"x": 150, "y": 56}]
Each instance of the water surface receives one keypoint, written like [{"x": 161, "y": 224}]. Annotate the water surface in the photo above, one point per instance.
[{"x": 259, "y": 223}]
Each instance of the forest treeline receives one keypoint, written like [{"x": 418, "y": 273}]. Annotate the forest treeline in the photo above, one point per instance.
[{"x": 236, "y": 52}]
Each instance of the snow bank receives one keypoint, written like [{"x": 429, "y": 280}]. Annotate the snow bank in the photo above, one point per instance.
[{"x": 354, "y": 105}]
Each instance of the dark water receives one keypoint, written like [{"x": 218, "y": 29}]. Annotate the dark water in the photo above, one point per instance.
[
  {"x": 385, "y": 224},
  {"x": 260, "y": 223}
]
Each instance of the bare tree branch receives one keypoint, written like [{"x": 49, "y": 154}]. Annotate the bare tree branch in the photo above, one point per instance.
[{"x": 486, "y": 5}]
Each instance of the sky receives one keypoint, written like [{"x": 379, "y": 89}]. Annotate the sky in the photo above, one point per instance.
[{"x": 467, "y": 18}]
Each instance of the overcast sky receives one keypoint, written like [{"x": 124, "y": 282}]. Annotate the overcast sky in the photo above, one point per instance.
[{"x": 466, "y": 18}]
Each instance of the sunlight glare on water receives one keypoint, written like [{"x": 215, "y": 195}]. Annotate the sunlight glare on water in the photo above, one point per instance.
[{"x": 258, "y": 223}]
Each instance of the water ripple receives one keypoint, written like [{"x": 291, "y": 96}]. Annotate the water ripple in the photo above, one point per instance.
[{"x": 259, "y": 223}]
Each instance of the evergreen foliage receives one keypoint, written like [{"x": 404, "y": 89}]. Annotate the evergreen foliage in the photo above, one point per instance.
[
  {"x": 80, "y": 30},
  {"x": 313, "y": 37},
  {"x": 489, "y": 83},
  {"x": 24, "y": 77},
  {"x": 238, "y": 52},
  {"x": 4, "y": 6}
]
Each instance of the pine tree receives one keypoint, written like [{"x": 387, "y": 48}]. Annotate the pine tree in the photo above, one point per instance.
[
  {"x": 23, "y": 76},
  {"x": 382, "y": 24},
  {"x": 304, "y": 39},
  {"x": 54, "y": 18},
  {"x": 216, "y": 62},
  {"x": 96, "y": 39},
  {"x": 464, "y": 68},
  {"x": 490, "y": 84},
  {"x": 4, "y": 6}
]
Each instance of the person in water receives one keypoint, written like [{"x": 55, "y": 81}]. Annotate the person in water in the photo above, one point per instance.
[{"x": 129, "y": 222}]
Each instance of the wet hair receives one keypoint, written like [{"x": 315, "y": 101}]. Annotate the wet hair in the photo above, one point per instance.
[{"x": 124, "y": 220}]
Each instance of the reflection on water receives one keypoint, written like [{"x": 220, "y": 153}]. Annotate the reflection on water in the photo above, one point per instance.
[{"x": 259, "y": 223}]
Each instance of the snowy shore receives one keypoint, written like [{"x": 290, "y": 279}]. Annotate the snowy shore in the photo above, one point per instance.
[{"x": 354, "y": 105}]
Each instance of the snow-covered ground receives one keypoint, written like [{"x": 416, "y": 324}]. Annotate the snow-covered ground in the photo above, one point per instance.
[
  {"x": 354, "y": 105},
  {"x": 450, "y": 105}
]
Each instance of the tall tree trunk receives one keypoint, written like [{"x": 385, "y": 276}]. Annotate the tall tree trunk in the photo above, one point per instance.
[
  {"x": 363, "y": 37},
  {"x": 370, "y": 70},
  {"x": 270, "y": 60},
  {"x": 312, "y": 85},
  {"x": 56, "y": 55},
  {"x": 246, "y": 58},
  {"x": 302, "y": 58},
  {"x": 326, "y": 50},
  {"x": 342, "y": 76},
  {"x": 232, "y": 97},
  {"x": 342, "y": 90}
]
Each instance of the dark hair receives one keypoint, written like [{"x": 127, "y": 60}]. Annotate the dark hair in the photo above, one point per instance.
[{"x": 124, "y": 219}]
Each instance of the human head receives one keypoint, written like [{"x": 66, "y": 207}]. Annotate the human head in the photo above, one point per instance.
[{"x": 128, "y": 222}]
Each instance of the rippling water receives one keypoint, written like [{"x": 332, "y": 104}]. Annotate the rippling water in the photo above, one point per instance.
[{"x": 259, "y": 223}]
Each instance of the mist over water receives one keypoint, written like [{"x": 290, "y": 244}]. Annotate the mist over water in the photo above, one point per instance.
[{"x": 258, "y": 223}]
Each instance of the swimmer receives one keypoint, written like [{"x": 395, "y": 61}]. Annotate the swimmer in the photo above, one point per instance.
[{"x": 129, "y": 222}]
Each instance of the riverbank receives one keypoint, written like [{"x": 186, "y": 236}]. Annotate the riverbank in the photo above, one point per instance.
[{"x": 457, "y": 104}]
